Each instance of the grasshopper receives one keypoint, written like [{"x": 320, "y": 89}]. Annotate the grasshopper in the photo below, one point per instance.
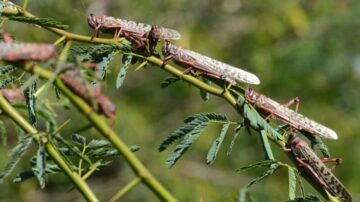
[
  {"x": 287, "y": 115},
  {"x": 23, "y": 52},
  {"x": 135, "y": 32},
  {"x": 315, "y": 167},
  {"x": 104, "y": 104},
  {"x": 208, "y": 66},
  {"x": 13, "y": 95}
]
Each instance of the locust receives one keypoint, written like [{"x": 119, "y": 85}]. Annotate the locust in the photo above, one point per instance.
[
  {"x": 315, "y": 167},
  {"x": 11, "y": 51},
  {"x": 104, "y": 104},
  {"x": 208, "y": 66},
  {"x": 135, "y": 32},
  {"x": 283, "y": 113},
  {"x": 13, "y": 95}
]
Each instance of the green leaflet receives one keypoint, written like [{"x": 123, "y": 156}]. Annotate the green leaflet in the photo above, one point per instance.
[
  {"x": 168, "y": 81},
  {"x": 6, "y": 69},
  {"x": 123, "y": 70},
  {"x": 271, "y": 170},
  {"x": 6, "y": 82},
  {"x": 292, "y": 183},
  {"x": 266, "y": 146},
  {"x": 43, "y": 22},
  {"x": 211, "y": 156},
  {"x": 40, "y": 166},
  {"x": 78, "y": 139},
  {"x": 190, "y": 123},
  {"x": 187, "y": 141},
  {"x": 15, "y": 156},
  {"x": 100, "y": 54},
  {"x": 31, "y": 102},
  {"x": 316, "y": 142},
  {"x": 50, "y": 169},
  {"x": 181, "y": 132},
  {"x": 257, "y": 165},
  {"x": 258, "y": 122},
  {"x": 3, "y": 134},
  {"x": 234, "y": 139}
]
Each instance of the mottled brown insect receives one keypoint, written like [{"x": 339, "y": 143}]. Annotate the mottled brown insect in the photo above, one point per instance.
[
  {"x": 208, "y": 66},
  {"x": 25, "y": 52},
  {"x": 13, "y": 95},
  {"x": 105, "y": 106},
  {"x": 315, "y": 167},
  {"x": 287, "y": 115}
]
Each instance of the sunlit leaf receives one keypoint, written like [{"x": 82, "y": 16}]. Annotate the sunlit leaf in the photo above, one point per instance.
[
  {"x": 123, "y": 70},
  {"x": 266, "y": 146},
  {"x": 292, "y": 183}
]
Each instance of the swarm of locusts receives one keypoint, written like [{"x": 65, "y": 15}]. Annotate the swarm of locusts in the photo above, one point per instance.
[{"x": 144, "y": 39}]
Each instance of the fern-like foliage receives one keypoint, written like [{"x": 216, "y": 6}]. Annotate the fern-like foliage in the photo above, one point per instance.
[
  {"x": 272, "y": 167},
  {"x": 16, "y": 154},
  {"x": 102, "y": 55},
  {"x": 169, "y": 81},
  {"x": 190, "y": 132},
  {"x": 43, "y": 22}
]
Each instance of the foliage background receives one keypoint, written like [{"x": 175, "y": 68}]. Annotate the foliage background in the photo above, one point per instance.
[{"x": 304, "y": 48}]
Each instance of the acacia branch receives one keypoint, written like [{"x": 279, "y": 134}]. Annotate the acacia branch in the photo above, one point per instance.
[{"x": 81, "y": 185}]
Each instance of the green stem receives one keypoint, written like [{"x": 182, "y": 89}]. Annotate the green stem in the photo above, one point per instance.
[
  {"x": 125, "y": 189},
  {"x": 19, "y": 120},
  {"x": 99, "y": 123}
]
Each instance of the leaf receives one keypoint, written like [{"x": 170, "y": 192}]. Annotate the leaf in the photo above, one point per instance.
[
  {"x": 211, "y": 156},
  {"x": 102, "y": 152},
  {"x": 40, "y": 166},
  {"x": 187, "y": 141},
  {"x": 50, "y": 169},
  {"x": 134, "y": 148},
  {"x": 233, "y": 141},
  {"x": 31, "y": 102},
  {"x": 210, "y": 116},
  {"x": 3, "y": 134},
  {"x": 271, "y": 170},
  {"x": 266, "y": 146},
  {"x": 6, "y": 69},
  {"x": 6, "y": 82},
  {"x": 168, "y": 81},
  {"x": 203, "y": 93},
  {"x": 15, "y": 156},
  {"x": 101, "y": 54},
  {"x": 94, "y": 144},
  {"x": 182, "y": 131},
  {"x": 43, "y": 22},
  {"x": 316, "y": 142},
  {"x": 123, "y": 70},
  {"x": 78, "y": 139},
  {"x": 308, "y": 198},
  {"x": 257, "y": 165},
  {"x": 292, "y": 183},
  {"x": 72, "y": 147},
  {"x": 259, "y": 123}
]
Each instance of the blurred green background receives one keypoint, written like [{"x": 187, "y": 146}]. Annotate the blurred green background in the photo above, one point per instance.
[{"x": 304, "y": 48}]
